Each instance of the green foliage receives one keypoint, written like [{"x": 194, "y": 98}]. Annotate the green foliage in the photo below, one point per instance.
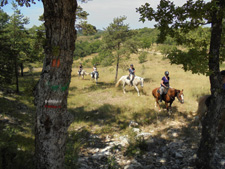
[
  {"x": 165, "y": 49},
  {"x": 86, "y": 48},
  {"x": 194, "y": 60},
  {"x": 74, "y": 142},
  {"x": 183, "y": 25},
  {"x": 137, "y": 145},
  {"x": 143, "y": 56},
  {"x": 6, "y": 52},
  {"x": 87, "y": 29}
]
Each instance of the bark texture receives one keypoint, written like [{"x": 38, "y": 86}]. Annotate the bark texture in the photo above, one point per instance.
[
  {"x": 210, "y": 122},
  {"x": 52, "y": 118}
]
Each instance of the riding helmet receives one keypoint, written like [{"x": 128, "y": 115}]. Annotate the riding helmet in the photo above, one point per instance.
[
  {"x": 131, "y": 65},
  {"x": 166, "y": 73}
]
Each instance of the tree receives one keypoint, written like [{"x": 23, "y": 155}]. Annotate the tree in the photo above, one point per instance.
[
  {"x": 6, "y": 60},
  {"x": 18, "y": 37},
  {"x": 83, "y": 26},
  {"x": 178, "y": 21},
  {"x": 116, "y": 38},
  {"x": 52, "y": 117}
]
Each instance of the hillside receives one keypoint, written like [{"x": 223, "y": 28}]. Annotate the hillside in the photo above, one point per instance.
[{"x": 116, "y": 130}]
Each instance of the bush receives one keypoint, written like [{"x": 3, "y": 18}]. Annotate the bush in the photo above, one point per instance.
[{"x": 143, "y": 56}]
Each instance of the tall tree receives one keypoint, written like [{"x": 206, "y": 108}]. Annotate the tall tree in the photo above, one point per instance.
[
  {"x": 52, "y": 117},
  {"x": 18, "y": 37},
  {"x": 6, "y": 52},
  {"x": 178, "y": 21},
  {"x": 116, "y": 39}
]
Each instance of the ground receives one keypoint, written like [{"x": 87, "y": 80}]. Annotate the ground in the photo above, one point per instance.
[{"x": 116, "y": 130}]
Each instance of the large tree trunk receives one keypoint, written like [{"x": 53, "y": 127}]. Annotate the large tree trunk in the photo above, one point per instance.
[
  {"x": 52, "y": 118},
  {"x": 210, "y": 122}
]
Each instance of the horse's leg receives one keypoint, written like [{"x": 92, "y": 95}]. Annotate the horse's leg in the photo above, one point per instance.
[
  {"x": 157, "y": 102},
  {"x": 124, "y": 84},
  {"x": 167, "y": 108},
  {"x": 137, "y": 90}
]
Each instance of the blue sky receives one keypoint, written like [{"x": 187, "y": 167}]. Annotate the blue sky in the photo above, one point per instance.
[{"x": 101, "y": 12}]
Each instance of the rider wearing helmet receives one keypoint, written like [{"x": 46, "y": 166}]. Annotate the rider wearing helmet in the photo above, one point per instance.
[
  {"x": 94, "y": 70},
  {"x": 164, "y": 84},
  {"x": 131, "y": 73},
  {"x": 80, "y": 68}
]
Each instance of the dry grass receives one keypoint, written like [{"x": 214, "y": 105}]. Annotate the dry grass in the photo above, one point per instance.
[{"x": 91, "y": 98}]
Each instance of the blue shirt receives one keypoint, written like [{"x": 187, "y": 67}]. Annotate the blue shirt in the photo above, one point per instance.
[
  {"x": 131, "y": 71},
  {"x": 165, "y": 81},
  {"x": 224, "y": 86}
]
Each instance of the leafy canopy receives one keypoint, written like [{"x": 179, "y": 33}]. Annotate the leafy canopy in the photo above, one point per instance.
[{"x": 181, "y": 23}]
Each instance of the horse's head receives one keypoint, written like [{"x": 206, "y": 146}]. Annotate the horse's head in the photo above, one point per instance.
[{"x": 180, "y": 96}]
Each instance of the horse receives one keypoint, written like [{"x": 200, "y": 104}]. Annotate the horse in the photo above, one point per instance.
[
  {"x": 169, "y": 97},
  {"x": 95, "y": 76},
  {"x": 82, "y": 73},
  {"x": 137, "y": 80},
  {"x": 202, "y": 109}
]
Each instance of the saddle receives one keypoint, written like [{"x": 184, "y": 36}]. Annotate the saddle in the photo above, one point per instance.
[{"x": 164, "y": 91}]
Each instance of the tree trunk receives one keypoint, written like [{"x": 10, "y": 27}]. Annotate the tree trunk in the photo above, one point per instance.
[
  {"x": 16, "y": 75},
  {"x": 117, "y": 67},
  {"x": 210, "y": 122},
  {"x": 52, "y": 118}
]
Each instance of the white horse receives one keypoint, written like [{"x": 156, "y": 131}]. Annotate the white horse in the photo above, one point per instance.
[
  {"x": 137, "y": 80},
  {"x": 82, "y": 73},
  {"x": 95, "y": 76}
]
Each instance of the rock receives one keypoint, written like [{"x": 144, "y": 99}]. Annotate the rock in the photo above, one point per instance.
[
  {"x": 123, "y": 140},
  {"x": 136, "y": 130},
  {"x": 178, "y": 155},
  {"x": 133, "y": 124},
  {"x": 222, "y": 162},
  {"x": 161, "y": 160},
  {"x": 135, "y": 165},
  {"x": 145, "y": 135}
]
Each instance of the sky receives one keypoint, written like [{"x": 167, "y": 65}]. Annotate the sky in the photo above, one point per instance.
[{"x": 101, "y": 12}]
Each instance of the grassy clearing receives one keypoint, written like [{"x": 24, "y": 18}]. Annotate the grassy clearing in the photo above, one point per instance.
[
  {"x": 114, "y": 107},
  {"x": 101, "y": 109}
]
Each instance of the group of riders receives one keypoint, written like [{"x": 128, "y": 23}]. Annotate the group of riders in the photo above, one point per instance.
[
  {"x": 164, "y": 85},
  {"x": 92, "y": 73}
]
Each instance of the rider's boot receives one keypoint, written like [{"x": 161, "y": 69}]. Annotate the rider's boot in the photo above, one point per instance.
[
  {"x": 160, "y": 98},
  {"x": 131, "y": 83}
]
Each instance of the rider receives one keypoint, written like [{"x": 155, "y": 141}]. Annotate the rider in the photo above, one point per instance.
[
  {"x": 94, "y": 70},
  {"x": 80, "y": 68},
  {"x": 164, "y": 84},
  {"x": 131, "y": 74}
]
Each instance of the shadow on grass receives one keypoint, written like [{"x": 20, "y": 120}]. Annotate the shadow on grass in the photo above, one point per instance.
[
  {"x": 105, "y": 114},
  {"x": 16, "y": 138},
  {"x": 100, "y": 86}
]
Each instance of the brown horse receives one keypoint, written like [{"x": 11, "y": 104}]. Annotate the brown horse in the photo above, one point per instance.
[
  {"x": 202, "y": 109},
  {"x": 169, "y": 97}
]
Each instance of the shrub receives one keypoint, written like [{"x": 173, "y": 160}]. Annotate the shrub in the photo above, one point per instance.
[{"x": 143, "y": 56}]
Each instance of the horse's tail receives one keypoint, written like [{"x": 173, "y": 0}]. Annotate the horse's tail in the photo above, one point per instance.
[
  {"x": 202, "y": 108},
  {"x": 117, "y": 84}
]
